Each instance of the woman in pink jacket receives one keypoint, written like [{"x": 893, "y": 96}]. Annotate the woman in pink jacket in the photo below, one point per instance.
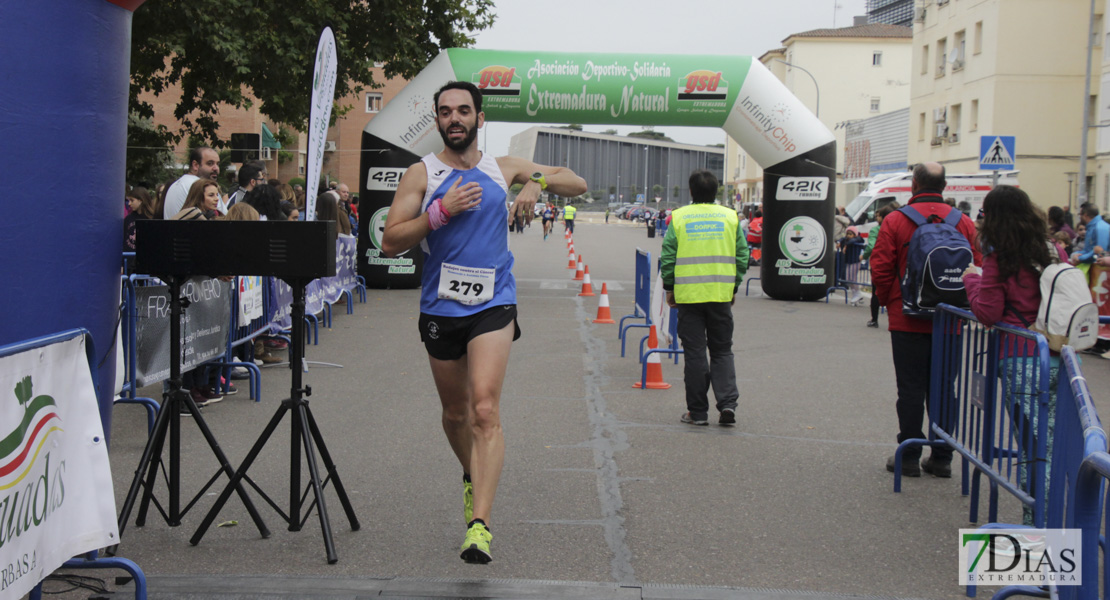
[{"x": 1016, "y": 247}]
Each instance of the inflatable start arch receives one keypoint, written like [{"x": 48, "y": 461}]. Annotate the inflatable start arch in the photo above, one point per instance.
[{"x": 735, "y": 93}]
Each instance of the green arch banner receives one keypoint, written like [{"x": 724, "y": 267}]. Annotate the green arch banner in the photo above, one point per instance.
[{"x": 735, "y": 93}]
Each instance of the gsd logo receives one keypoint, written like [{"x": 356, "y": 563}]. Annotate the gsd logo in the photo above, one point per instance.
[
  {"x": 497, "y": 80},
  {"x": 703, "y": 85},
  {"x": 20, "y": 448}
]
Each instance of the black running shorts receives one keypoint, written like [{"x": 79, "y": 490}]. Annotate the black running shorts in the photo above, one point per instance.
[{"x": 446, "y": 337}]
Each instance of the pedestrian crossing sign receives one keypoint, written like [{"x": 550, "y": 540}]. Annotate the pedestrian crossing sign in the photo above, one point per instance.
[{"x": 996, "y": 152}]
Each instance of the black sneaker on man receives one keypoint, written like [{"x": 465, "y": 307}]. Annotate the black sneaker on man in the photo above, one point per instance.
[
  {"x": 911, "y": 466},
  {"x": 937, "y": 468},
  {"x": 686, "y": 418},
  {"x": 728, "y": 417}
]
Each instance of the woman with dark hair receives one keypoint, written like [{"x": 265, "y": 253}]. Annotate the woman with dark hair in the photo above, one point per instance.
[
  {"x": 327, "y": 209},
  {"x": 1057, "y": 223},
  {"x": 267, "y": 201},
  {"x": 1016, "y": 248},
  {"x": 141, "y": 206}
]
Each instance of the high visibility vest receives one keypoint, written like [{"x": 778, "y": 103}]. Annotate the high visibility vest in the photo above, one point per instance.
[
  {"x": 705, "y": 263},
  {"x": 568, "y": 212}
]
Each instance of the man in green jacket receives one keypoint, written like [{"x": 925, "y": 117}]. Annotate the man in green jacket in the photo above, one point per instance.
[{"x": 703, "y": 262}]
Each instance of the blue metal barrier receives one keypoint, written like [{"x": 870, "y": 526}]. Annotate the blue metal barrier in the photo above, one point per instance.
[
  {"x": 127, "y": 392},
  {"x": 244, "y": 333},
  {"x": 642, "y": 298},
  {"x": 989, "y": 401},
  {"x": 90, "y": 561},
  {"x": 851, "y": 270},
  {"x": 1078, "y": 436},
  {"x": 674, "y": 349}
]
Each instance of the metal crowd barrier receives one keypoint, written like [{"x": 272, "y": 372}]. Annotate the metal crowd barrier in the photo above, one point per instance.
[
  {"x": 1073, "y": 497},
  {"x": 244, "y": 333},
  {"x": 989, "y": 400},
  {"x": 851, "y": 269},
  {"x": 642, "y": 298},
  {"x": 674, "y": 349},
  {"x": 127, "y": 394}
]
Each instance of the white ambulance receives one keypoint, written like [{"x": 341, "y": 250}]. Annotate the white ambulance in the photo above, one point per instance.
[{"x": 967, "y": 191}]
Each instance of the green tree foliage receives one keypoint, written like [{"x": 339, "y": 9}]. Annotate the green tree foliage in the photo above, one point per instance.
[
  {"x": 650, "y": 135},
  {"x": 221, "y": 51}
]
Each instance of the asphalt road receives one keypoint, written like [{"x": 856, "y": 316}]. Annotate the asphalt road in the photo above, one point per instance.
[{"x": 604, "y": 493}]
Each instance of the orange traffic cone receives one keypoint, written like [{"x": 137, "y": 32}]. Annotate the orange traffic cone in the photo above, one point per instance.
[
  {"x": 603, "y": 314},
  {"x": 653, "y": 367},
  {"x": 579, "y": 274},
  {"x": 573, "y": 263},
  {"x": 587, "y": 287}
]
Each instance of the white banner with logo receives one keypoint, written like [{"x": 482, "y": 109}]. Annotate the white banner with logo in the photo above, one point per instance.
[
  {"x": 661, "y": 313},
  {"x": 319, "y": 115},
  {"x": 56, "y": 498},
  {"x": 250, "y": 298}
]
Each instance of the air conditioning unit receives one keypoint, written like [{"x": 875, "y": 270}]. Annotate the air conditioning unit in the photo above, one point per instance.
[
  {"x": 329, "y": 146},
  {"x": 957, "y": 64},
  {"x": 952, "y": 139},
  {"x": 919, "y": 15},
  {"x": 942, "y": 130}
]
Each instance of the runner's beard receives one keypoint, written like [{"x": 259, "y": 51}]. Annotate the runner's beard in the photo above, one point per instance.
[{"x": 460, "y": 145}]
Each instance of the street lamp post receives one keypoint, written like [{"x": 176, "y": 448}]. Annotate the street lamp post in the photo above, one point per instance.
[
  {"x": 645, "y": 175},
  {"x": 817, "y": 106}
]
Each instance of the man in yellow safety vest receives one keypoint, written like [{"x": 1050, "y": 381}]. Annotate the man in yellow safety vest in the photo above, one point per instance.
[
  {"x": 568, "y": 217},
  {"x": 703, "y": 262}
]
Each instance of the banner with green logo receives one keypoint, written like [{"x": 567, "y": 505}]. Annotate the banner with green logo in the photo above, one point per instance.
[{"x": 736, "y": 93}]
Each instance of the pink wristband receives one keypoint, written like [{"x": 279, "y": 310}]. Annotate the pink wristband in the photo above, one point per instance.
[{"x": 437, "y": 215}]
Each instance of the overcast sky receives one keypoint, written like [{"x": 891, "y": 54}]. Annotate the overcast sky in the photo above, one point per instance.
[{"x": 715, "y": 27}]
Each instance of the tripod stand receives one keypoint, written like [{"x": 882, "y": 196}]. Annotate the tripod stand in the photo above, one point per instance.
[
  {"x": 169, "y": 420},
  {"x": 304, "y": 431}
]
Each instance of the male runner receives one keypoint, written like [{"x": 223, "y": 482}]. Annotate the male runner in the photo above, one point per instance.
[{"x": 453, "y": 205}]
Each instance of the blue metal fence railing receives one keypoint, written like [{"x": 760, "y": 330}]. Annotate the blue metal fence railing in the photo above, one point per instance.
[
  {"x": 989, "y": 400},
  {"x": 128, "y": 392},
  {"x": 642, "y": 299},
  {"x": 851, "y": 270},
  {"x": 244, "y": 333},
  {"x": 673, "y": 349},
  {"x": 1078, "y": 435}
]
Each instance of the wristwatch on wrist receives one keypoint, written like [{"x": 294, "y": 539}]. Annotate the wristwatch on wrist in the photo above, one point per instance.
[{"x": 539, "y": 178}]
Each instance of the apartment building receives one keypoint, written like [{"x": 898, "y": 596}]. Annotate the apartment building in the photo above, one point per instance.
[
  {"x": 843, "y": 75},
  {"x": 1011, "y": 67}
]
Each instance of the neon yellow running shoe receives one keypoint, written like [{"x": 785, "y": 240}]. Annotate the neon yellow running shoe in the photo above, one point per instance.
[
  {"x": 475, "y": 548},
  {"x": 468, "y": 501}
]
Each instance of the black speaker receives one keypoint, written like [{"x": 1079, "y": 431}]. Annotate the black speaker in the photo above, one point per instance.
[
  {"x": 245, "y": 146},
  {"x": 283, "y": 249}
]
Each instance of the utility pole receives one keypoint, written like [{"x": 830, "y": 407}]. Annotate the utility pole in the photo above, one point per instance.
[{"x": 1081, "y": 195}]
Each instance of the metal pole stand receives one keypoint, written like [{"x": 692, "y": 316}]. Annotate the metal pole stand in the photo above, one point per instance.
[
  {"x": 304, "y": 431},
  {"x": 169, "y": 420}
]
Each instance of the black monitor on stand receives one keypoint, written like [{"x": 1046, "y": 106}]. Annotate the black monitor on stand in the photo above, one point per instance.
[{"x": 296, "y": 252}]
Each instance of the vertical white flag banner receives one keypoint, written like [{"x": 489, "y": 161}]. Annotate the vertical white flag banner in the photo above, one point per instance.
[
  {"x": 56, "y": 498},
  {"x": 323, "y": 97}
]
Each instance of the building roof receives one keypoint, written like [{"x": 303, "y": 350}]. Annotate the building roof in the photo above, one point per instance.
[{"x": 871, "y": 30}]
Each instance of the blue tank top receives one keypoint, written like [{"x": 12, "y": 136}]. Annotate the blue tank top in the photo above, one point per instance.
[{"x": 467, "y": 263}]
